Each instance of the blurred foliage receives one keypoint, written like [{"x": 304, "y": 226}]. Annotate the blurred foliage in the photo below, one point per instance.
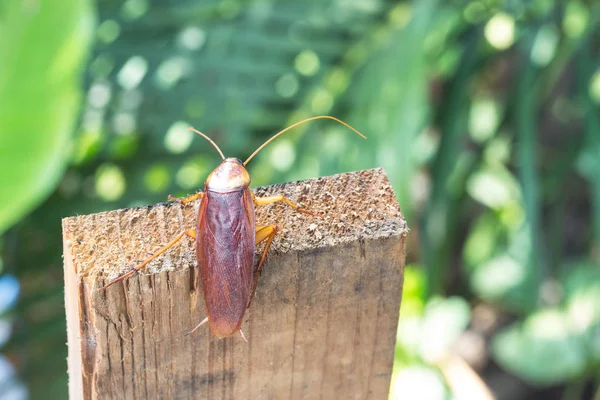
[
  {"x": 427, "y": 331},
  {"x": 484, "y": 113},
  {"x": 560, "y": 343},
  {"x": 40, "y": 92},
  {"x": 43, "y": 46}
]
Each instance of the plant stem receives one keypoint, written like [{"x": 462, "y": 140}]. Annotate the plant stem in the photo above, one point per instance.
[
  {"x": 525, "y": 125},
  {"x": 440, "y": 223}
]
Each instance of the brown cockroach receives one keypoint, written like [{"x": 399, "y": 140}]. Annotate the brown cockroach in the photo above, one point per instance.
[{"x": 226, "y": 237}]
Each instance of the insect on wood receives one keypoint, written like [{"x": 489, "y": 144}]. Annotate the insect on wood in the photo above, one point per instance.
[{"x": 226, "y": 237}]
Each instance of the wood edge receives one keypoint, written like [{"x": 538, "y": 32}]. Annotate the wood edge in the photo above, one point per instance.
[
  {"x": 394, "y": 225},
  {"x": 377, "y": 170},
  {"x": 72, "y": 310}
]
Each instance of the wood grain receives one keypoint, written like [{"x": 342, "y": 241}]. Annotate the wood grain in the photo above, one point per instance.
[{"x": 322, "y": 325}]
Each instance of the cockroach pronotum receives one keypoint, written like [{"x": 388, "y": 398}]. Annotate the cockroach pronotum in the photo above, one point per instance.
[{"x": 226, "y": 237}]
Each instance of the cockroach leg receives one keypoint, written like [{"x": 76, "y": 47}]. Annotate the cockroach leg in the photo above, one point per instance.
[
  {"x": 190, "y": 232},
  {"x": 186, "y": 200},
  {"x": 261, "y": 201},
  {"x": 264, "y": 232},
  {"x": 136, "y": 271},
  {"x": 205, "y": 320},
  {"x": 243, "y": 336}
]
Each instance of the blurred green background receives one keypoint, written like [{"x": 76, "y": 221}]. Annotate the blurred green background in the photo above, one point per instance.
[{"x": 484, "y": 114}]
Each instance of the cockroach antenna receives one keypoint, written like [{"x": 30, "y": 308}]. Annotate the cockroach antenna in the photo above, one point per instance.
[
  {"x": 300, "y": 123},
  {"x": 209, "y": 139}
]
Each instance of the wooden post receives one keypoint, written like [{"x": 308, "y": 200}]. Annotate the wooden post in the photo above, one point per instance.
[{"x": 322, "y": 325}]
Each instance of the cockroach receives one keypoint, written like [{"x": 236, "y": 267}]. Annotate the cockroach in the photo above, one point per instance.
[{"x": 226, "y": 237}]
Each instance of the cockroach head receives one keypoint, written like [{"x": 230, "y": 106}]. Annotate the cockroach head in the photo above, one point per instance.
[{"x": 229, "y": 176}]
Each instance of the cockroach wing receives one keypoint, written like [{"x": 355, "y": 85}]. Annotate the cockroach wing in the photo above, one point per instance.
[{"x": 225, "y": 247}]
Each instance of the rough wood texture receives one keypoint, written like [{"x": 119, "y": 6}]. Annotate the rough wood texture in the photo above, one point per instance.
[{"x": 322, "y": 324}]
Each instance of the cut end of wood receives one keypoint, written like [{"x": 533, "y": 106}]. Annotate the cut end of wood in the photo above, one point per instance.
[{"x": 350, "y": 206}]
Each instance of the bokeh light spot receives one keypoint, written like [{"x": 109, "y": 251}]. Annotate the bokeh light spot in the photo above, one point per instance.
[
  {"x": 109, "y": 182},
  {"x": 287, "y": 86},
  {"x": 334, "y": 140},
  {"x": 191, "y": 38},
  {"x": 338, "y": 80},
  {"x": 133, "y": 72},
  {"x": 157, "y": 178},
  {"x": 544, "y": 46},
  {"x": 133, "y": 9},
  {"x": 93, "y": 119},
  {"x": 307, "y": 63},
  {"x": 483, "y": 119},
  {"x": 322, "y": 101},
  {"x": 417, "y": 381},
  {"x": 191, "y": 174},
  {"x": 178, "y": 138},
  {"x": 9, "y": 292},
  {"x": 489, "y": 189},
  {"x": 188, "y": 176},
  {"x": 12, "y": 389},
  {"x": 102, "y": 66},
  {"x": 595, "y": 87},
  {"x": 512, "y": 215},
  {"x": 583, "y": 308},
  {"x": 170, "y": 72},
  {"x": 498, "y": 150},
  {"x": 500, "y": 31},
  {"x": 497, "y": 276},
  {"x": 108, "y": 31},
  {"x": 124, "y": 123},
  {"x": 482, "y": 241},
  {"x": 576, "y": 19},
  {"x": 99, "y": 94},
  {"x": 400, "y": 15},
  {"x": 282, "y": 155}
]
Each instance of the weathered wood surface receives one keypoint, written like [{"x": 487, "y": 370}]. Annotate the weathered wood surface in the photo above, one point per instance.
[{"x": 322, "y": 324}]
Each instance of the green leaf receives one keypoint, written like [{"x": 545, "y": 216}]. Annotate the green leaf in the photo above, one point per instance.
[
  {"x": 560, "y": 343},
  {"x": 418, "y": 381},
  {"x": 483, "y": 240},
  {"x": 493, "y": 186},
  {"x": 504, "y": 279},
  {"x": 541, "y": 349},
  {"x": 582, "y": 293},
  {"x": 431, "y": 336},
  {"x": 42, "y": 47}
]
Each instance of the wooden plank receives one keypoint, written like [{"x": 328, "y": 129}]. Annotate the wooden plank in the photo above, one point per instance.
[{"x": 322, "y": 325}]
